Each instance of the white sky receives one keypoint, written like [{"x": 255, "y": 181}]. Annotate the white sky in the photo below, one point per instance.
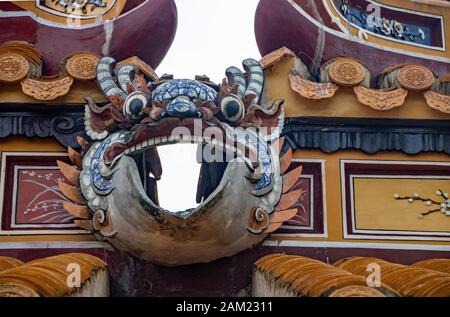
[{"x": 211, "y": 36}]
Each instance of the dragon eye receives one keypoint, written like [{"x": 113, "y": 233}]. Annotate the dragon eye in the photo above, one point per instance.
[
  {"x": 135, "y": 104},
  {"x": 232, "y": 108}
]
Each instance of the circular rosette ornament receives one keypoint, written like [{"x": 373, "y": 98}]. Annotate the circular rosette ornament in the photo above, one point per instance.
[
  {"x": 415, "y": 78},
  {"x": 13, "y": 68},
  {"x": 347, "y": 72}
]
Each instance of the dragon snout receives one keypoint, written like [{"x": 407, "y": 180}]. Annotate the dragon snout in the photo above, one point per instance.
[{"x": 182, "y": 107}]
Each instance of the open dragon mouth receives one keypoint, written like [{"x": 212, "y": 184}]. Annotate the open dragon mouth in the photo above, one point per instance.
[
  {"x": 214, "y": 150},
  {"x": 184, "y": 194},
  {"x": 243, "y": 189}
]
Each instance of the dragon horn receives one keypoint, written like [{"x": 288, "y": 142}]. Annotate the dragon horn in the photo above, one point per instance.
[
  {"x": 105, "y": 79},
  {"x": 255, "y": 78},
  {"x": 125, "y": 75},
  {"x": 236, "y": 77}
]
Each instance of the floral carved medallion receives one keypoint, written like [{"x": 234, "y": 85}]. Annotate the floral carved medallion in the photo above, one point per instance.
[
  {"x": 415, "y": 77},
  {"x": 13, "y": 68},
  {"x": 82, "y": 66},
  {"x": 347, "y": 72}
]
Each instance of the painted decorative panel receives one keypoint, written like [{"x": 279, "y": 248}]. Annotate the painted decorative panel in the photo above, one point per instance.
[
  {"x": 32, "y": 202},
  {"x": 311, "y": 205},
  {"x": 396, "y": 200},
  {"x": 409, "y": 27}
]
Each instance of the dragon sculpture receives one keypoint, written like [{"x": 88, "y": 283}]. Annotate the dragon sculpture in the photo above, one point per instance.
[{"x": 244, "y": 192}]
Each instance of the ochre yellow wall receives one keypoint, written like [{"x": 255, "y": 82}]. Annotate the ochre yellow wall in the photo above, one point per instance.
[
  {"x": 343, "y": 104},
  {"x": 334, "y": 200}
]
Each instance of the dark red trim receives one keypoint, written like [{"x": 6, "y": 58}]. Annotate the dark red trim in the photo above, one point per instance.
[
  {"x": 146, "y": 32},
  {"x": 231, "y": 276},
  {"x": 315, "y": 169},
  {"x": 10, "y": 162}
]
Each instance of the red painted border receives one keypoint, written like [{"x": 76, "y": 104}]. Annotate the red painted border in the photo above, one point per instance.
[
  {"x": 315, "y": 169},
  {"x": 10, "y": 162}
]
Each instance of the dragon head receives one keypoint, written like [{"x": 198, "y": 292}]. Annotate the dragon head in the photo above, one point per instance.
[{"x": 242, "y": 192}]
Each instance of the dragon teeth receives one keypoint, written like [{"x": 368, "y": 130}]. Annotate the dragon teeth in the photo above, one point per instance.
[{"x": 180, "y": 138}]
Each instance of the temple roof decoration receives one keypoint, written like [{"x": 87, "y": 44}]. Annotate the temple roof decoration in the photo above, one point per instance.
[
  {"x": 378, "y": 33},
  {"x": 21, "y": 63},
  {"x": 14, "y": 68},
  {"x": 415, "y": 78},
  {"x": 408, "y": 281},
  {"x": 382, "y": 26},
  {"x": 49, "y": 277},
  {"x": 275, "y": 56},
  {"x": 47, "y": 89},
  {"x": 87, "y": 11},
  {"x": 294, "y": 276},
  {"x": 254, "y": 190},
  {"x": 7, "y": 263},
  {"x": 395, "y": 82},
  {"x": 379, "y": 99},
  {"x": 118, "y": 28},
  {"x": 312, "y": 90},
  {"x": 440, "y": 265},
  {"x": 347, "y": 72},
  {"x": 438, "y": 101},
  {"x": 82, "y": 66},
  {"x": 286, "y": 275}
]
